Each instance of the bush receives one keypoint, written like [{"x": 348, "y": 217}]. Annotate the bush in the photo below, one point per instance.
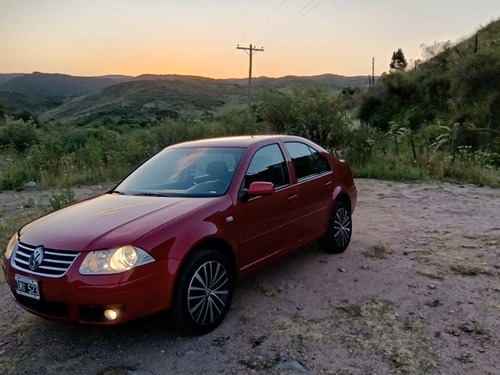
[{"x": 19, "y": 135}]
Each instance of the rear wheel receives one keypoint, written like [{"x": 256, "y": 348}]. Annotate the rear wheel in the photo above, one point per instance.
[
  {"x": 203, "y": 292},
  {"x": 338, "y": 235}
]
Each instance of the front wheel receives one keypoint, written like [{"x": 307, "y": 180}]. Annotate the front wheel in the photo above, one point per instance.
[
  {"x": 338, "y": 235},
  {"x": 203, "y": 291}
]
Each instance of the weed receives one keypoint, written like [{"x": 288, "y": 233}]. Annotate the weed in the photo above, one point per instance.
[
  {"x": 268, "y": 290},
  {"x": 257, "y": 340},
  {"x": 377, "y": 252},
  {"x": 117, "y": 370},
  {"x": 260, "y": 363},
  {"x": 431, "y": 275},
  {"x": 64, "y": 197},
  {"x": 466, "y": 270}
]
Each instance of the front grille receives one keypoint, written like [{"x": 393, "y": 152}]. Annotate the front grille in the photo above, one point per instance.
[{"x": 55, "y": 263}]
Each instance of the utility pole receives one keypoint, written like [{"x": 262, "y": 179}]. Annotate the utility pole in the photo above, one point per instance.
[
  {"x": 250, "y": 51},
  {"x": 373, "y": 71}
]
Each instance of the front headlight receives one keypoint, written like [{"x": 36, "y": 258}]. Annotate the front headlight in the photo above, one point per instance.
[
  {"x": 114, "y": 260},
  {"x": 11, "y": 246}
]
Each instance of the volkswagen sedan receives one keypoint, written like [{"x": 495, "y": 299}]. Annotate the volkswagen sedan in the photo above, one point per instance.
[{"x": 180, "y": 229}]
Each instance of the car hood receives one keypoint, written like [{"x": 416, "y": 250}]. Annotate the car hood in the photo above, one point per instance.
[{"x": 107, "y": 221}]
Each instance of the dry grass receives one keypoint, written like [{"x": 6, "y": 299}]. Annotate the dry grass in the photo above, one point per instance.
[
  {"x": 373, "y": 326},
  {"x": 377, "y": 252}
]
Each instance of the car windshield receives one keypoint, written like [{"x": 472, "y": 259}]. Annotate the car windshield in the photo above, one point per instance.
[{"x": 184, "y": 172}]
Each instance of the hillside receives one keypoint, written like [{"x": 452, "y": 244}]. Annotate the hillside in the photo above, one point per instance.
[
  {"x": 148, "y": 99},
  {"x": 458, "y": 87},
  {"x": 14, "y": 102}
]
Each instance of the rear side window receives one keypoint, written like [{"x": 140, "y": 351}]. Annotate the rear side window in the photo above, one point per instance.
[
  {"x": 307, "y": 161},
  {"x": 268, "y": 165}
]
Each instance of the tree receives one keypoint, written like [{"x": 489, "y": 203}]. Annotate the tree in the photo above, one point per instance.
[{"x": 398, "y": 60}]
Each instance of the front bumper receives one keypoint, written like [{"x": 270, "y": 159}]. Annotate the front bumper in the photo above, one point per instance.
[{"x": 84, "y": 299}]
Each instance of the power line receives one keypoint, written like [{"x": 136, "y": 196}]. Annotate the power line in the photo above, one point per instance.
[
  {"x": 264, "y": 20},
  {"x": 284, "y": 26},
  {"x": 251, "y": 32}
]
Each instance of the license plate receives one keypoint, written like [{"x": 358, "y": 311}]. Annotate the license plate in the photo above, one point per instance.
[{"x": 27, "y": 287}]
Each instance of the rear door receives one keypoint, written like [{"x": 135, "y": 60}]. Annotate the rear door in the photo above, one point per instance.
[{"x": 315, "y": 188}]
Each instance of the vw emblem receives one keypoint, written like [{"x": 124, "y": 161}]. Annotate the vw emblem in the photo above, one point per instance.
[{"x": 36, "y": 258}]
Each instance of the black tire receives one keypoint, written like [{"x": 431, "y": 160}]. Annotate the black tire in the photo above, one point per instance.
[
  {"x": 339, "y": 232},
  {"x": 203, "y": 291}
]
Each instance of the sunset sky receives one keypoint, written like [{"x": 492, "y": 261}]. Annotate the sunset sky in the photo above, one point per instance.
[{"x": 199, "y": 37}]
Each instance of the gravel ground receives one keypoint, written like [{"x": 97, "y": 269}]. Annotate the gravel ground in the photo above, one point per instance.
[{"x": 417, "y": 292}]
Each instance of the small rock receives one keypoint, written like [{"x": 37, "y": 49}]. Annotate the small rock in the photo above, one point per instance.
[
  {"x": 431, "y": 286},
  {"x": 434, "y": 303},
  {"x": 467, "y": 328},
  {"x": 342, "y": 270},
  {"x": 31, "y": 184},
  {"x": 292, "y": 367},
  {"x": 220, "y": 341},
  {"x": 162, "y": 351},
  {"x": 453, "y": 332}
]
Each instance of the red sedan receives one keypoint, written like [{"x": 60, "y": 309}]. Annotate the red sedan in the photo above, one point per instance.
[{"x": 178, "y": 231}]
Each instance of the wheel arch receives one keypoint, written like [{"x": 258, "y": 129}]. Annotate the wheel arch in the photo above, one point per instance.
[
  {"x": 343, "y": 197},
  {"x": 216, "y": 244}
]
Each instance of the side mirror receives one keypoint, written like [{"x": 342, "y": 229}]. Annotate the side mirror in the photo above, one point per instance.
[{"x": 261, "y": 188}]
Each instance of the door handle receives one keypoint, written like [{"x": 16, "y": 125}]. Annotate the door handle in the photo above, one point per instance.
[
  {"x": 292, "y": 198},
  {"x": 329, "y": 184}
]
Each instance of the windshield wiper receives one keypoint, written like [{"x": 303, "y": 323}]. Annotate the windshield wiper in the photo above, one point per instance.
[
  {"x": 152, "y": 194},
  {"x": 117, "y": 192}
]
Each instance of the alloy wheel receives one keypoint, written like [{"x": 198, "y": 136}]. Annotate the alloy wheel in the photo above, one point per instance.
[{"x": 208, "y": 292}]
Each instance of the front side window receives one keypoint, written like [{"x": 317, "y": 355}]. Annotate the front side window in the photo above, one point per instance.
[
  {"x": 189, "y": 171},
  {"x": 268, "y": 165},
  {"x": 307, "y": 161}
]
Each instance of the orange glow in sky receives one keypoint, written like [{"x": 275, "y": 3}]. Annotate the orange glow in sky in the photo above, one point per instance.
[{"x": 199, "y": 37}]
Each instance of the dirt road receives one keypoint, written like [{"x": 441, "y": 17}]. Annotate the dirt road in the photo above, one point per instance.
[{"x": 417, "y": 292}]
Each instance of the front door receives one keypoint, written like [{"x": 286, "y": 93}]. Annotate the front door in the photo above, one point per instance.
[{"x": 268, "y": 224}]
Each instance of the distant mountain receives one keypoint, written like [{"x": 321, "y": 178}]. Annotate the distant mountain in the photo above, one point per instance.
[
  {"x": 82, "y": 100},
  {"x": 7, "y": 77},
  {"x": 55, "y": 84},
  {"x": 151, "y": 98},
  {"x": 332, "y": 80}
]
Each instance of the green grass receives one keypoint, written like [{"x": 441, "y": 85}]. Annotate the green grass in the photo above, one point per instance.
[{"x": 388, "y": 168}]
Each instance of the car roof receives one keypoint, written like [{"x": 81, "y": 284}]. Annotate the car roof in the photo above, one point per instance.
[{"x": 238, "y": 141}]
